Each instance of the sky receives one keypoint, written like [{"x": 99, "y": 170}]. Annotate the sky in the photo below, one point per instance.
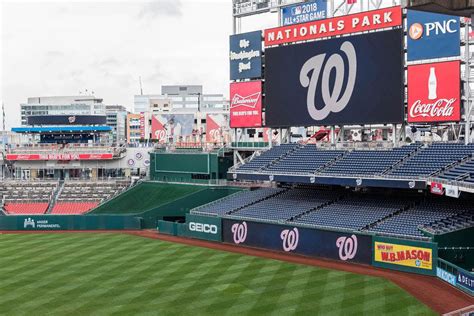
[{"x": 62, "y": 47}]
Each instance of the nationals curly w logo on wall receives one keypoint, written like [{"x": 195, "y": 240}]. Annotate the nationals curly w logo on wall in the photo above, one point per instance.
[
  {"x": 299, "y": 240},
  {"x": 347, "y": 80}
]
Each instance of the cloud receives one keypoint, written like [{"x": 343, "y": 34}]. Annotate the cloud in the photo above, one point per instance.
[{"x": 161, "y": 8}]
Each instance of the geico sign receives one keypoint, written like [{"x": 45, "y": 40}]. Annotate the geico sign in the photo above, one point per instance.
[{"x": 203, "y": 228}]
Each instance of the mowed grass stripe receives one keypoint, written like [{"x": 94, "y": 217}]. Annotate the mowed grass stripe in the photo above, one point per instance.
[{"x": 116, "y": 274}]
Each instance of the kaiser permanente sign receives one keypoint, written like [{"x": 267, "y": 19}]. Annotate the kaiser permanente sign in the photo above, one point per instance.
[{"x": 360, "y": 22}]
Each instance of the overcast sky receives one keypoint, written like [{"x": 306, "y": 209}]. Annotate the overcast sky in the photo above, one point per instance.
[{"x": 63, "y": 47}]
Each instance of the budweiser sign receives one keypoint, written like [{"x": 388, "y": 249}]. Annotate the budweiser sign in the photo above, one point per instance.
[
  {"x": 434, "y": 92},
  {"x": 249, "y": 101},
  {"x": 246, "y": 104},
  {"x": 436, "y": 188},
  {"x": 59, "y": 157}
]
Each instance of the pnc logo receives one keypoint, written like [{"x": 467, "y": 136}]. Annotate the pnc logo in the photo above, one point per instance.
[
  {"x": 347, "y": 247},
  {"x": 290, "y": 239},
  {"x": 335, "y": 99},
  {"x": 240, "y": 232},
  {"x": 203, "y": 228},
  {"x": 417, "y": 30}
]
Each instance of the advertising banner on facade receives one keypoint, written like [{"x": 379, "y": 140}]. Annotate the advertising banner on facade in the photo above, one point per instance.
[
  {"x": 171, "y": 126},
  {"x": 466, "y": 280},
  {"x": 304, "y": 12},
  {"x": 432, "y": 35},
  {"x": 398, "y": 254},
  {"x": 33, "y": 157},
  {"x": 304, "y": 241},
  {"x": 142, "y": 125},
  {"x": 66, "y": 120},
  {"x": 360, "y": 22},
  {"x": 436, "y": 188},
  {"x": 203, "y": 227},
  {"x": 246, "y": 55},
  {"x": 246, "y": 104},
  {"x": 325, "y": 82},
  {"x": 452, "y": 191},
  {"x": 434, "y": 92},
  {"x": 217, "y": 128}
]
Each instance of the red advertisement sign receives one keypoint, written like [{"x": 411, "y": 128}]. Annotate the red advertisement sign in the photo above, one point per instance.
[
  {"x": 434, "y": 92},
  {"x": 246, "y": 104},
  {"x": 360, "y": 22},
  {"x": 60, "y": 157},
  {"x": 436, "y": 188}
]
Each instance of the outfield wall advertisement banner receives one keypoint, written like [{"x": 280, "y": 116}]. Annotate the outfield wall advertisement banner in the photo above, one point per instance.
[
  {"x": 466, "y": 281},
  {"x": 304, "y": 241},
  {"x": 68, "y": 222},
  {"x": 246, "y": 55},
  {"x": 203, "y": 227},
  {"x": 434, "y": 92},
  {"x": 325, "y": 82},
  {"x": 446, "y": 276},
  {"x": 246, "y": 104},
  {"x": 405, "y": 255},
  {"x": 304, "y": 12},
  {"x": 360, "y": 22},
  {"x": 432, "y": 35}
]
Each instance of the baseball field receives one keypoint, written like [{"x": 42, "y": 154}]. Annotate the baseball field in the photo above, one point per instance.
[{"x": 120, "y": 274}]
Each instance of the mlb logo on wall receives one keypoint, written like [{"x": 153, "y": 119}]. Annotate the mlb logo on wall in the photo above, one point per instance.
[
  {"x": 246, "y": 55},
  {"x": 246, "y": 104},
  {"x": 434, "y": 92},
  {"x": 432, "y": 35}
]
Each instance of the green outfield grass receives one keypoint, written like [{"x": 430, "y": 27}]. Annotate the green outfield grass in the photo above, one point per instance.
[{"x": 104, "y": 274}]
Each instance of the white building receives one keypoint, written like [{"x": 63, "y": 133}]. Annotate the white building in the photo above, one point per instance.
[
  {"x": 61, "y": 105},
  {"x": 117, "y": 119},
  {"x": 176, "y": 98}
]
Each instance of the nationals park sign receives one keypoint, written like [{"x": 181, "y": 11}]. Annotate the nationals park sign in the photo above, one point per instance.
[{"x": 360, "y": 22}]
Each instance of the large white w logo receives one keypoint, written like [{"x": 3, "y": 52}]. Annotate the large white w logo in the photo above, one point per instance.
[{"x": 333, "y": 101}]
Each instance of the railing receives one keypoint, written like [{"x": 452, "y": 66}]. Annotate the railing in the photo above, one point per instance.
[
  {"x": 454, "y": 275},
  {"x": 259, "y": 145}
]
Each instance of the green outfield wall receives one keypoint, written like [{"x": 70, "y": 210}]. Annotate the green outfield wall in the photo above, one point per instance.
[{"x": 69, "y": 222}]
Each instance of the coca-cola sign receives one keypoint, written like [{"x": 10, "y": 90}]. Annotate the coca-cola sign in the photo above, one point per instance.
[
  {"x": 434, "y": 92},
  {"x": 246, "y": 104}
]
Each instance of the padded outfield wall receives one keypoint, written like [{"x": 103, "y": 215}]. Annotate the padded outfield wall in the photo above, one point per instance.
[
  {"x": 69, "y": 222},
  {"x": 396, "y": 254}
]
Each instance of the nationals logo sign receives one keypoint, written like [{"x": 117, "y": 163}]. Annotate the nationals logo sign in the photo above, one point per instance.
[
  {"x": 347, "y": 247},
  {"x": 246, "y": 104},
  {"x": 240, "y": 232},
  {"x": 335, "y": 100},
  {"x": 290, "y": 239},
  {"x": 434, "y": 92},
  {"x": 325, "y": 82}
]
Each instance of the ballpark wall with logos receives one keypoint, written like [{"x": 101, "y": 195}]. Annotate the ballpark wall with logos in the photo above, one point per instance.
[{"x": 397, "y": 254}]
